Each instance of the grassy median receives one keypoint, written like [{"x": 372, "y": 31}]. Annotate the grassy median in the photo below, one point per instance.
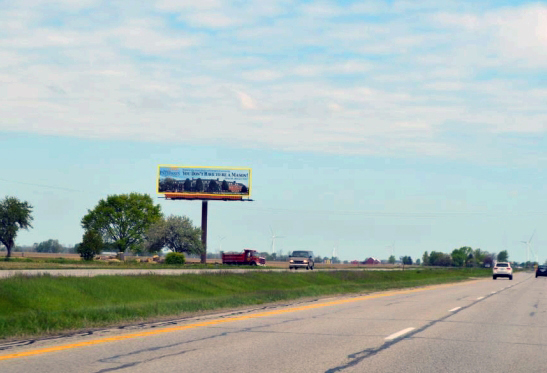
[
  {"x": 63, "y": 263},
  {"x": 49, "y": 305}
]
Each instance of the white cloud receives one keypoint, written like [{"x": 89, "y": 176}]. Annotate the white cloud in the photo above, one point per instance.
[
  {"x": 151, "y": 38},
  {"x": 279, "y": 75},
  {"x": 262, "y": 75},
  {"x": 321, "y": 9},
  {"x": 515, "y": 35},
  {"x": 245, "y": 100},
  {"x": 63, "y": 4},
  {"x": 210, "y": 20},
  {"x": 348, "y": 67},
  {"x": 183, "y": 5}
]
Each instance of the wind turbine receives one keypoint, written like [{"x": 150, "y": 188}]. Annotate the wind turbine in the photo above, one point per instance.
[
  {"x": 391, "y": 249},
  {"x": 220, "y": 238},
  {"x": 527, "y": 243},
  {"x": 274, "y": 236}
]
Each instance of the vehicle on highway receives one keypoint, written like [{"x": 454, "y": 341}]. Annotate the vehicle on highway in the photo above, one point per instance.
[
  {"x": 541, "y": 270},
  {"x": 246, "y": 257},
  {"x": 502, "y": 269},
  {"x": 301, "y": 259}
]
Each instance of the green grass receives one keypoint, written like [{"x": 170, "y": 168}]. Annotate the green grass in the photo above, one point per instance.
[
  {"x": 62, "y": 263},
  {"x": 46, "y": 305}
]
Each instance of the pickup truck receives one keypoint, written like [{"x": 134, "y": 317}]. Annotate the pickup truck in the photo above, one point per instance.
[{"x": 247, "y": 257}]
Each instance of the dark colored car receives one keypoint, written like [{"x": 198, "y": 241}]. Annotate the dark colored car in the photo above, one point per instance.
[{"x": 541, "y": 271}]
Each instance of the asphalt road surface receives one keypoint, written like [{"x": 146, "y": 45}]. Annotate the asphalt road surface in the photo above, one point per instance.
[{"x": 478, "y": 326}]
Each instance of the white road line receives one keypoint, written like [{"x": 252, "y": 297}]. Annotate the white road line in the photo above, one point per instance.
[
  {"x": 454, "y": 309},
  {"x": 479, "y": 298},
  {"x": 398, "y": 334}
]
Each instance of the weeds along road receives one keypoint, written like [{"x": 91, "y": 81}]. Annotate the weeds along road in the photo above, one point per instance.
[
  {"x": 132, "y": 272},
  {"x": 478, "y": 326}
]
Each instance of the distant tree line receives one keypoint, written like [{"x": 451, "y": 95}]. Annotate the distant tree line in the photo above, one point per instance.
[
  {"x": 465, "y": 256},
  {"x": 50, "y": 246},
  {"x": 406, "y": 260},
  {"x": 133, "y": 222},
  {"x": 125, "y": 222}
]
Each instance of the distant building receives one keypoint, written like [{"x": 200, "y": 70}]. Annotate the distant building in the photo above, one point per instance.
[
  {"x": 372, "y": 260},
  {"x": 235, "y": 188}
]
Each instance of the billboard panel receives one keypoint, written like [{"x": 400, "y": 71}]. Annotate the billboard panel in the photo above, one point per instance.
[{"x": 204, "y": 182}]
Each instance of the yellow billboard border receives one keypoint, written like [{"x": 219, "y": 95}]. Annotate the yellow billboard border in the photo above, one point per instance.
[{"x": 211, "y": 167}]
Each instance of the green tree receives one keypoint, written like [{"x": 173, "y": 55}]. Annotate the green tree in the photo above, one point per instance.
[
  {"x": 225, "y": 187},
  {"x": 425, "y": 259},
  {"x": 244, "y": 190},
  {"x": 391, "y": 259},
  {"x": 49, "y": 246},
  {"x": 503, "y": 256},
  {"x": 92, "y": 244},
  {"x": 407, "y": 260},
  {"x": 175, "y": 258},
  {"x": 14, "y": 215},
  {"x": 187, "y": 185},
  {"x": 418, "y": 262},
  {"x": 167, "y": 184},
  {"x": 213, "y": 187},
  {"x": 479, "y": 256},
  {"x": 441, "y": 259},
  {"x": 458, "y": 258},
  {"x": 199, "y": 185},
  {"x": 461, "y": 256},
  {"x": 122, "y": 220},
  {"x": 176, "y": 233}
]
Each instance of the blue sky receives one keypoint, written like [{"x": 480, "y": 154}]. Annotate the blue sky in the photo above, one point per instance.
[{"x": 366, "y": 123}]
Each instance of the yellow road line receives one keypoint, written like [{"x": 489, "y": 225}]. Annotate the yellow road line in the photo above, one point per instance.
[{"x": 42, "y": 351}]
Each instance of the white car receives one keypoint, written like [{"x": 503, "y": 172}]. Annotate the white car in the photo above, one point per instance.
[{"x": 502, "y": 269}]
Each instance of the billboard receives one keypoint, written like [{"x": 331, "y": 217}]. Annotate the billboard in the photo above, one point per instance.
[{"x": 204, "y": 182}]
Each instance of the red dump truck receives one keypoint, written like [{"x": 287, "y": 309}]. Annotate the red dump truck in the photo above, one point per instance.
[{"x": 247, "y": 257}]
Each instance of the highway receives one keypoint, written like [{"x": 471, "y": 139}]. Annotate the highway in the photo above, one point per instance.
[{"x": 477, "y": 326}]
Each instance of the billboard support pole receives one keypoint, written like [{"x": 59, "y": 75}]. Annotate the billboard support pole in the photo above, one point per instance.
[{"x": 204, "y": 231}]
